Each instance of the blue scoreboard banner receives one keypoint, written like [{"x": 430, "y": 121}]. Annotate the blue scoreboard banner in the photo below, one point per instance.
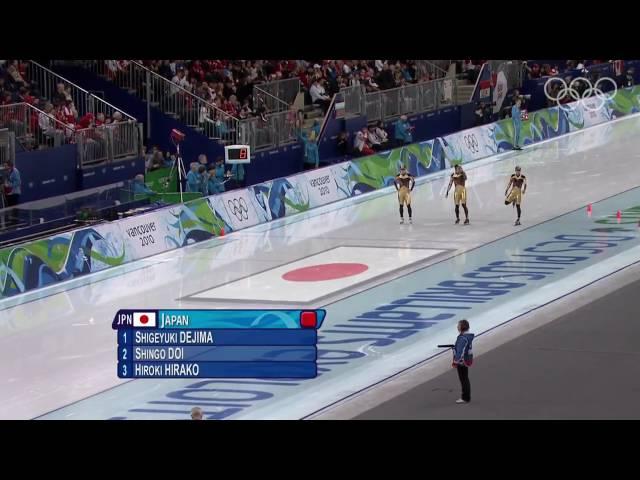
[{"x": 218, "y": 343}]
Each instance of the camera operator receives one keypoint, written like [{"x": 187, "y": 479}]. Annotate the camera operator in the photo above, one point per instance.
[
  {"x": 479, "y": 114},
  {"x": 487, "y": 113},
  {"x": 628, "y": 79}
]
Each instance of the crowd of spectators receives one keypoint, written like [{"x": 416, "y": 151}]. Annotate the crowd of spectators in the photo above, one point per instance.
[
  {"x": 375, "y": 138},
  {"x": 228, "y": 84}
]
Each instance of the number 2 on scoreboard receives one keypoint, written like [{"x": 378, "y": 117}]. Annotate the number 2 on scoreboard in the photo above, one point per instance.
[{"x": 124, "y": 353}]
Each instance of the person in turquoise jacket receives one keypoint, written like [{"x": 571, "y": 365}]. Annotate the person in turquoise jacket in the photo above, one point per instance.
[
  {"x": 213, "y": 186},
  {"x": 403, "y": 129},
  {"x": 516, "y": 117},
  {"x": 204, "y": 180},
  {"x": 221, "y": 174},
  {"x": 237, "y": 174},
  {"x": 13, "y": 184},
  {"x": 139, "y": 187},
  {"x": 310, "y": 144},
  {"x": 193, "y": 178}
]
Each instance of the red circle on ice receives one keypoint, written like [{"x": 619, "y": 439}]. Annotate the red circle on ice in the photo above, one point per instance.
[
  {"x": 326, "y": 271},
  {"x": 144, "y": 319}
]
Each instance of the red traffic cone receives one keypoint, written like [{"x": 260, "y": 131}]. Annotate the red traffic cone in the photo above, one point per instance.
[
  {"x": 589, "y": 209},
  {"x": 619, "y": 216},
  {"x": 222, "y": 232}
]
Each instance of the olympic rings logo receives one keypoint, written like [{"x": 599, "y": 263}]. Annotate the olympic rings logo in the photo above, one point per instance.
[
  {"x": 570, "y": 89},
  {"x": 472, "y": 143},
  {"x": 239, "y": 208}
]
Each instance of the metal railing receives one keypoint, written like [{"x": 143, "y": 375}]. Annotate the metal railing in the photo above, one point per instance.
[
  {"x": 433, "y": 69},
  {"x": 51, "y": 85},
  {"x": 7, "y": 146},
  {"x": 271, "y": 103},
  {"x": 278, "y": 130},
  {"x": 108, "y": 143},
  {"x": 170, "y": 98},
  {"x": 410, "y": 99},
  {"x": 354, "y": 100},
  {"x": 286, "y": 89},
  {"x": 34, "y": 128}
]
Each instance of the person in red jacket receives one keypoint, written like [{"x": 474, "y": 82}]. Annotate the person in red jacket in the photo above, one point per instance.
[{"x": 197, "y": 71}]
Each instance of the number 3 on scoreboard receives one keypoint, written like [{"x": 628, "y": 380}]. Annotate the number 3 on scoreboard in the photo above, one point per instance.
[
  {"x": 243, "y": 154},
  {"x": 124, "y": 370}
]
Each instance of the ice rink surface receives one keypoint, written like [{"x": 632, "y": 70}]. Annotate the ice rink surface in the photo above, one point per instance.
[{"x": 58, "y": 351}]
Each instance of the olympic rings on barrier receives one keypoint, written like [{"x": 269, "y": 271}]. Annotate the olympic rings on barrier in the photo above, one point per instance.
[
  {"x": 472, "y": 143},
  {"x": 575, "y": 95},
  {"x": 239, "y": 208}
]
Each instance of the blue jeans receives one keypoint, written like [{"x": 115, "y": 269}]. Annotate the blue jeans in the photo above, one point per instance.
[{"x": 516, "y": 129}]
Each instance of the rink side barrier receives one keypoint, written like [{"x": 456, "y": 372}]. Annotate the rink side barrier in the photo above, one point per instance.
[{"x": 87, "y": 250}]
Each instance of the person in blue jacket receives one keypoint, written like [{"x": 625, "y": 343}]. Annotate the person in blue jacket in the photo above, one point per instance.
[
  {"x": 193, "y": 178},
  {"x": 463, "y": 359},
  {"x": 237, "y": 174},
  {"x": 204, "y": 180},
  {"x": 313, "y": 154},
  {"x": 13, "y": 184},
  {"x": 403, "y": 129},
  {"x": 516, "y": 117},
  {"x": 221, "y": 175},
  {"x": 214, "y": 185},
  {"x": 139, "y": 187}
]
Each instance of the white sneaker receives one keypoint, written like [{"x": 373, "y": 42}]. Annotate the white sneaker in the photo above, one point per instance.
[
  {"x": 461, "y": 401},
  {"x": 411, "y": 221},
  {"x": 402, "y": 221}
]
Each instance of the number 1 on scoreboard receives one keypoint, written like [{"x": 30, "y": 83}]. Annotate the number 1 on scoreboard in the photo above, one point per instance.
[{"x": 124, "y": 337}]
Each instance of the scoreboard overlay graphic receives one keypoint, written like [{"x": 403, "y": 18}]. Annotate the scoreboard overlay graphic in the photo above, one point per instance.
[{"x": 218, "y": 343}]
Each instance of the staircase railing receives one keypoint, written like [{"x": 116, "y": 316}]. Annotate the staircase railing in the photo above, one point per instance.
[
  {"x": 272, "y": 131},
  {"x": 270, "y": 102},
  {"x": 190, "y": 109},
  {"x": 172, "y": 99},
  {"x": 431, "y": 68},
  {"x": 49, "y": 84},
  {"x": 285, "y": 90}
]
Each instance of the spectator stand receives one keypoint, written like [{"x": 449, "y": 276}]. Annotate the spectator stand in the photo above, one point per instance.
[
  {"x": 172, "y": 98},
  {"x": 54, "y": 111},
  {"x": 33, "y": 128},
  {"x": 59, "y": 90}
]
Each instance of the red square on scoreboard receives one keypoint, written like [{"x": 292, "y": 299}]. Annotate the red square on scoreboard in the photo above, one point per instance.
[{"x": 308, "y": 320}]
